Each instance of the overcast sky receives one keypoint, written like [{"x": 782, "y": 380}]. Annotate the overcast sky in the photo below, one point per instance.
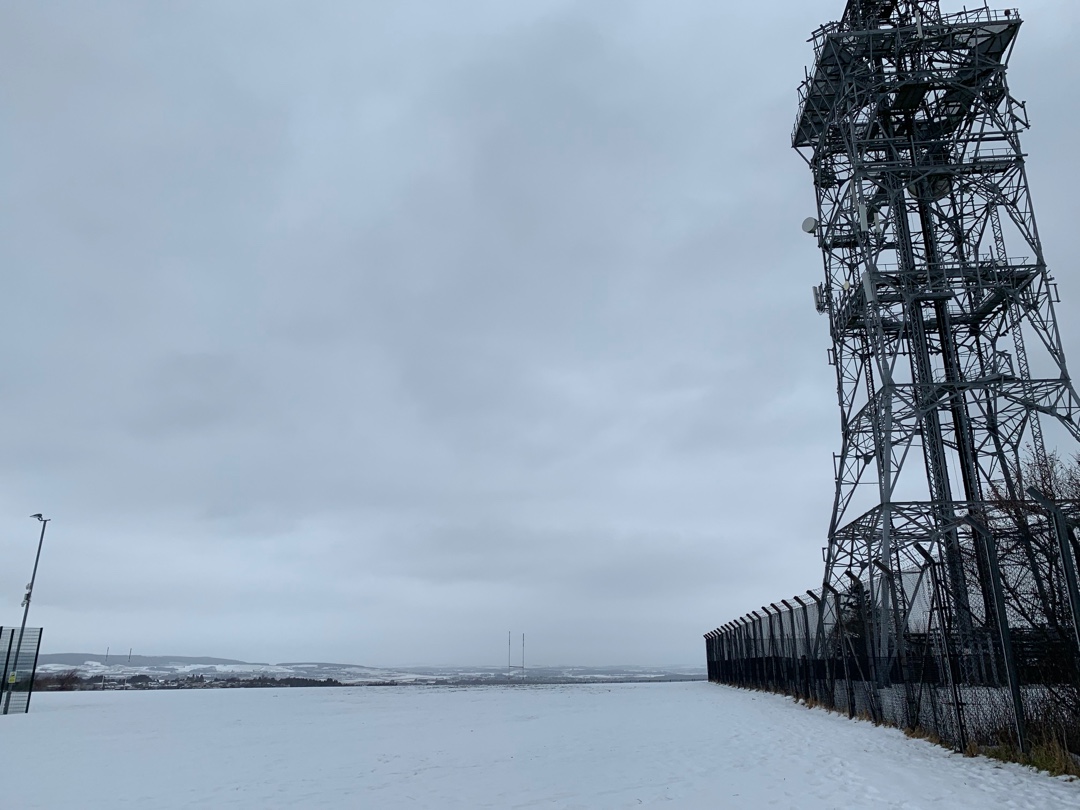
[{"x": 369, "y": 331}]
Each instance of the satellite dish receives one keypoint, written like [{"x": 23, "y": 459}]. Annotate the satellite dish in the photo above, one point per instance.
[{"x": 809, "y": 225}]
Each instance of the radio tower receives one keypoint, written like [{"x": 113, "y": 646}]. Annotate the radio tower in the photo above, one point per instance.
[{"x": 941, "y": 312}]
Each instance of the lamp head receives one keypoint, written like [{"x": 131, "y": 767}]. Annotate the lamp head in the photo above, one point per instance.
[{"x": 38, "y": 516}]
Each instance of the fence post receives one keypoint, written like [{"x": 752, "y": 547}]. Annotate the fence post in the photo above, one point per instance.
[
  {"x": 736, "y": 653},
  {"x": 947, "y": 639},
  {"x": 710, "y": 652},
  {"x": 718, "y": 653},
  {"x": 759, "y": 649},
  {"x": 794, "y": 664},
  {"x": 819, "y": 649},
  {"x": 770, "y": 650},
  {"x": 900, "y": 647},
  {"x": 722, "y": 653},
  {"x": 783, "y": 664},
  {"x": 808, "y": 663},
  {"x": 775, "y": 649},
  {"x": 843, "y": 653},
  {"x": 874, "y": 680},
  {"x": 750, "y": 639},
  {"x": 1061, "y": 529},
  {"x": 730, "y": 651},
  {"x": 716, "y": 640},
  {"x": 708, "y": 657},
  {"x": 723, "y": 646},
  {"x": 748, "y": 655},
  {"x": 1002, "y": 622}
]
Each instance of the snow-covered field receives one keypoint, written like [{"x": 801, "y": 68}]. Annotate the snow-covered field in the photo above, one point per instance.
[{"x": 691, "y": 745}]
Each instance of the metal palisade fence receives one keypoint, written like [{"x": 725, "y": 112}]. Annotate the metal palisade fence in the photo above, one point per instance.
[
  {"x": 19, "y": 666},
  {"x": 995, "y": 664}
]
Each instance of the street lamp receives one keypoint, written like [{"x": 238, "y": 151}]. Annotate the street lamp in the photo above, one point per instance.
[{"x": 26, "y": 610}]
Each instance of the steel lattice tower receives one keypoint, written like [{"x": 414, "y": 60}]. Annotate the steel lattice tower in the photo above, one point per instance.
[{"x": 940, "y": 305}]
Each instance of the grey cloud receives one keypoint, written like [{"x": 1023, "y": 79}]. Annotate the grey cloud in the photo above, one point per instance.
[{"x": 333, "y": 328}]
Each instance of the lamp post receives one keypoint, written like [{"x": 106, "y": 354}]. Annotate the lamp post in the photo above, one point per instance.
[{"x": 26, "y": 610}]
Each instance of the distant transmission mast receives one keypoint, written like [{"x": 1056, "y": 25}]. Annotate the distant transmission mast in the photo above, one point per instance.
[
  {"x": 941, "y": 312},
  {"x": 510, "y": 666}
]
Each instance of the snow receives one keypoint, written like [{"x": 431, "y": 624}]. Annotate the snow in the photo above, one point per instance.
[{"x": 680, "y": 745}]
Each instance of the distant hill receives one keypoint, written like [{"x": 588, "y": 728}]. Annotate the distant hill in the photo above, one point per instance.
[
  {"x": 167, "y": 667},
  {"x": 78, "y": 659},
  {"x": 320, "y": 664}
]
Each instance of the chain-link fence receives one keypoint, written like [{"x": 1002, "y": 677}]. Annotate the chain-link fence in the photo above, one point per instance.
[{"x": 971, "y": 636}]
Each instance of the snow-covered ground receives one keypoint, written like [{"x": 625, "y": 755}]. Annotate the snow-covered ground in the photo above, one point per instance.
[{"x": 689, "y": 745}]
